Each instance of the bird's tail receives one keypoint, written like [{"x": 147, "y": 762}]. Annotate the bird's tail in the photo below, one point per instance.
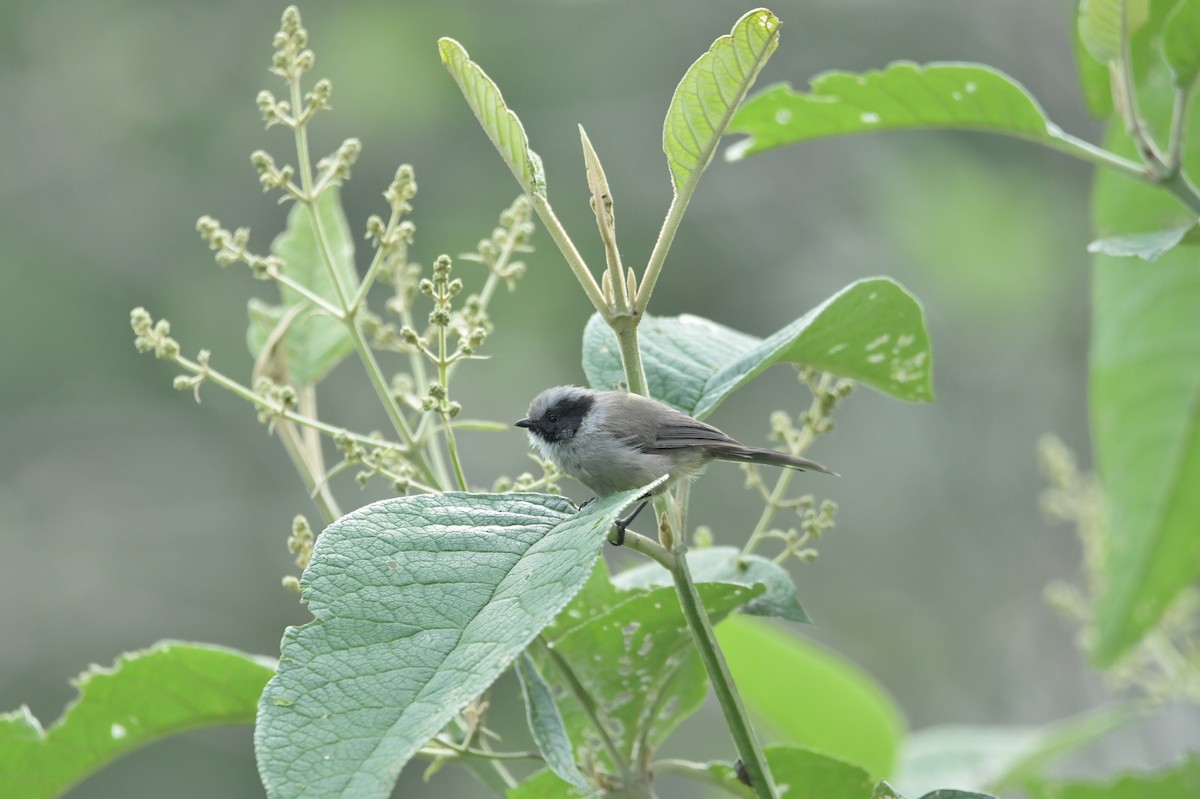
[{"x": 770, "y": 457}]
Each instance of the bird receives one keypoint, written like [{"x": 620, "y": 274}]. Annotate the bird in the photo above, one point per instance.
[{"x": 615, "y": 441}]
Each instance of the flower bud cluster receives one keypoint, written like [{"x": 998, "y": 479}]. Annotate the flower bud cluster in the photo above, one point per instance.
[{"x": 230, "y": 248}]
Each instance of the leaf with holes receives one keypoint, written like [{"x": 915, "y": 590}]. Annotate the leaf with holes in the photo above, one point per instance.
[
  {"x": 872, "y": 331},
  {"x": 145, "y": 696},
  {"x": 632, "y": 652},
  {"x": 903, "y": 96}
]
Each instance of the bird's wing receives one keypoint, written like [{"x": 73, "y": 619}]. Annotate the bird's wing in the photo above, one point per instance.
[{"x": 681, "y": 431}]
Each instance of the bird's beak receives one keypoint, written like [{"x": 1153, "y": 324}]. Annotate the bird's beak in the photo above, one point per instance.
[{"x": 523, "y": 423}]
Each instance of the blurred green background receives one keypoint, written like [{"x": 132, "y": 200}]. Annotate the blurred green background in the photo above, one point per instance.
[{"x": 129, "y": 514}]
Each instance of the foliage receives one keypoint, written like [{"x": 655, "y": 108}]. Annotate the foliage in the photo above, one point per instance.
[{"x": 421, "y": 602}]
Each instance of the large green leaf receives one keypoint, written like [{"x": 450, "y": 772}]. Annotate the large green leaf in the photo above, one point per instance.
[
  {"x": 1181, "y": 42},
  {"x": 872, "y": 331},
  {"x": 728, "y": 565},
  {"x": 999, "y": 758},
  {"x": 812, "y": 697},
  {"x": 1104, "y": 25},
  {"x": 499, "y": 123},
  {"x": 904, "y": 96},
  {"x": 545, "y": 784},
  {"x": 315, "y": 342},
  {"x": 1176, "y": 782},
  {"x": 170, "y": 688},
  {"x": 420, "y": 604},
  {"x": 633, "y": 654},
  {"x": 805, "y": 774},
  {"x": 710, "y": 92},
  {"x": 1145, "y": 387}
]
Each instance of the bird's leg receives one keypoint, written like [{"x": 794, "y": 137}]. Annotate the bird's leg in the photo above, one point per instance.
[
  {"x": 739, "y": 770},
  {"x": 624, "y": 522},
  {"x": 591, "y": 501}
]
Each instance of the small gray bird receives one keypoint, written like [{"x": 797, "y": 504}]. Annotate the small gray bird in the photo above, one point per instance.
[{"x": 614, "y": 441}]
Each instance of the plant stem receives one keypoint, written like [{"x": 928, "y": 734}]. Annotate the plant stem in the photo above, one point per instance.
[
  {"x": 374, "y": 373},
  {"x": 567, "y": 248},
  {"x": 1097, "y": 156},
  {"x": 659, "y": 254},
  {"x": 234, "y": 387},
  {"x": 625, "y": 328},
  {"x": 447, "y": 428},
  {"x": 744, "y": 739},
  {"x": 650, "y": 548}
]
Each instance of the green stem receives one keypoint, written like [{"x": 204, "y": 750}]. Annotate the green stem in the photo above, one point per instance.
[
  {"x": 447, "y": 428},
  {"x": 1097, "y": 156},
  {"x": 1179, "y": 111},
  {"x": 625, "y": 328},
  {"x": 443, "y": 748},
  {"x": 365, "y": 354},
  {"x": 311, "y": 296},
  {"x": 1183, "y": 190},
  {"x": 659, "y": 254},
  {"x": 567, "y": 248},
  {"x": 650, "y": 548},
  {"x": 262, "y": 404},
  {"x": 805, "y": 438},
  {"x": 705, "y": 640}
]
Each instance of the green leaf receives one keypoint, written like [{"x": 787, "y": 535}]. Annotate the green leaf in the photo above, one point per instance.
[
  {"x": 1147, "y": 246},
  {"x": 727, "y": 565},
  {"x": 1104, "y": 25},
  {"x": 903, "y": 96},
  {"x": 1145, "y": 388},
  {"x": 170, "y": 688},
  {"x": 710, "y": 92},
  {"x": 805, "y": 774},
  {"x": 420, "y": 603},
  {"x": 1176, "y": 782},
  {"x": 872, "y": 331},
  {"x": 546, "y": 724},
  {"x": 1093, "y": 76},
  {"x": 1181, "y": 42},
  {"x": 633, "y": 654},
  {"x": 545, "y": 784},
  {"x": 499, "y": 122},
  {"x": 315, "y": 342},
  {"x": 999, "y": 758},
  {"x": 809, "y": 696}
]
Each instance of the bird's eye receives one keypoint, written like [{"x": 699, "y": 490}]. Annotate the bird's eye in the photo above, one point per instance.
[{"x": 552, "y": 418}]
